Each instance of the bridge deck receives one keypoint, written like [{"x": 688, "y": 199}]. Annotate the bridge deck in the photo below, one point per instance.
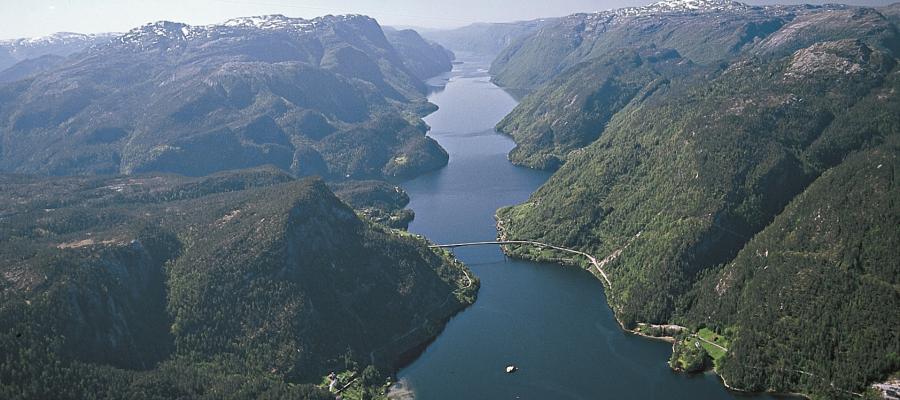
[{"x": 594, "y": 262}]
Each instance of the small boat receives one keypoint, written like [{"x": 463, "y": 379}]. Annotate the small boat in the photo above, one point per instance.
[{"x": 511, "y": 368}]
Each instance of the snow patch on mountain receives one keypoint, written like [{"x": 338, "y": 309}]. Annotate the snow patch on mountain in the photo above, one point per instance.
[
  {"x": 272, "y": 22},
  {"x": 56, "y": 38},
  {"x": 677, "y": 6},
  {"x": 59, "y": 44},
  {"x": 157, "y": 33}
]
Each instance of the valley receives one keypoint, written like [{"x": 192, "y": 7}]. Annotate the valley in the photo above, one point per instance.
[
  {"x": 689, "y": 199},
  {"x": 521, "y": 305}
]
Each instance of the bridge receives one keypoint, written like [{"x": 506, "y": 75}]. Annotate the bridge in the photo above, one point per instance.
[{"x": 597, "y": 264}]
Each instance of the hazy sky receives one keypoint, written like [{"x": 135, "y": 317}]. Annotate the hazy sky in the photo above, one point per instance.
[{"x": 26, "y": 18}]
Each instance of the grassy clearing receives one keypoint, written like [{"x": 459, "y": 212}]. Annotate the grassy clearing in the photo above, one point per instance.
[
  {"x": 358, "y": 385},
  {"x": 714, "y": 351}
]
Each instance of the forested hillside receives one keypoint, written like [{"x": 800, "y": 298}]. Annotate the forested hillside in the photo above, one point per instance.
[
  {"x": 571, "y": 111},
  {"x": 711, "y": 35},
  {"x": 737, "y": 190},
  {"x": 379, "y": 201},
  {"x": 247, "y": 284},
  {"x": 330, "y": 96},
  {"x": 812, "y": 299}
]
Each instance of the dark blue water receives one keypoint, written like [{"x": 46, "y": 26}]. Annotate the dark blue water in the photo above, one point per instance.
[{"x": 551, "y": 321}]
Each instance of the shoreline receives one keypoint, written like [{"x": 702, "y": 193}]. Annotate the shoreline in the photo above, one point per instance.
[
  {"x": 408, "y": 354},
  {"x": 501, "y": 235}
]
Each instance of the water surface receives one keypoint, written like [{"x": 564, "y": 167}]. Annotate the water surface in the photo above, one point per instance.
[{"x": 551, "y": 321}]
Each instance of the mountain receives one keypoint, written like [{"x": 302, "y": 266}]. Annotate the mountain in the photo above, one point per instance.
[
  {"x": 487, "y": 39},
  {"x": 545, "y": 136},
  {"x": 30, "y": 67},
  {"x": 570, "y": 112},
  {"x": 706, "y": 32},
  {"x": 246, "y": 284},
  {"x": 58, "y": 44},
  {"x": 891, "y": 12},
  {"x": 423, "y": 58},
  {"x": 329, "y": 96},
  {"x": 745, "y": 194}
]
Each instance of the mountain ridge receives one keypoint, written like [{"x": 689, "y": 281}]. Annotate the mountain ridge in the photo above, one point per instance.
[
  {"x": 153, "y": 98},
  {"x": 707, "y": 36},
  {"x": 61, "y": 44}
]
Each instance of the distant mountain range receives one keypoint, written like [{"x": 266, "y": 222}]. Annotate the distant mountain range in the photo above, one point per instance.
[
  {"x": 484, "y": 39},
  {"x": 330, "y": 96},
  {"x": 424, "y": 59},
  {"x": 58, "y": 44}
]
